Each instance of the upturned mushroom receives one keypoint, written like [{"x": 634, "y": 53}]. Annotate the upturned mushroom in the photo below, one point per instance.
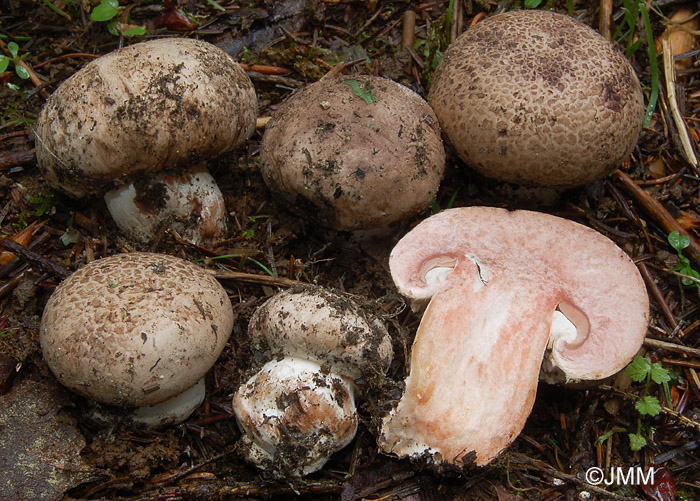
[
  {"x": 133, "y": 122},
  {"x": 505, "y": 290},
  {"x": 137, "y": 330},
  {"x": 536, "y": 97},
  {"x": 354, "y": 153},
  {"x": 316, "y": 347}
]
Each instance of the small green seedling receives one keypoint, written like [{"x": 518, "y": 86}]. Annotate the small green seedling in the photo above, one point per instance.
[
  {"x": 15, "y": 59},
  {"x": 642, "y": 369},
  {"x": 435, "y": 207},
  {"x": 680, "y": 242},
  {"x": 106, "y": 11}
]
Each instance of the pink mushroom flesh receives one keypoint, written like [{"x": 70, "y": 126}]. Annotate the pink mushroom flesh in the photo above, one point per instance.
[{"x": 479, "y": 348}]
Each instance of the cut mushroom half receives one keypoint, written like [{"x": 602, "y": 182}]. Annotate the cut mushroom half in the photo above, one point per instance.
[{"x": 522, "y": 287}]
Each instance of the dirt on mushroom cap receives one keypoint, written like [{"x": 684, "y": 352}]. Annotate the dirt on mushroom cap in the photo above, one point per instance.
[
  {"x": 153, "y": 105},
  {"x": 135, "y": 329},
  {"x": 537, "y": 97},
  {"x": 354, "y": 152}
]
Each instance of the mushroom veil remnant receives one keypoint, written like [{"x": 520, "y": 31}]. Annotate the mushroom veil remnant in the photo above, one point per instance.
[
  {"x": 354, "y": 152},
  {"x": 536, "y": 97},
  {"x": 137, "y": 330},
  {"x": 316, "y": 348},
  {"x": 506, "y": 290},
  {"x": 135, "y": 121}
]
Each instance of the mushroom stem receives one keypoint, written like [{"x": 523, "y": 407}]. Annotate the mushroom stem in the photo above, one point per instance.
[
  {"x": 489, "y": 329},
  {"x": 189, "y": 202},
  {"x": 172, "y": 411}
]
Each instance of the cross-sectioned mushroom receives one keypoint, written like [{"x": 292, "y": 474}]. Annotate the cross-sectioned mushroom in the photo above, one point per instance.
[
  {"x": 506, "y": 290},
  {"x": 354, "y": 152},
  {"x": 316, "y": 348},
  {"x": 164, "y": 105},
  {"x": 536, "y": 97},
  {"x": 137, "y": 330}
]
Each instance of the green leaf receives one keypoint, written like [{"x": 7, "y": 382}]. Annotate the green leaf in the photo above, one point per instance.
[
  {"x": 639, "y": 368},
  {"x": 678, "y": 241},
  {"x": 136, "y": 31},
  {"x": 13, "y": 48},
  {"x": 216, "y": 5},
  {"x": 112, "y": 28},
  {"x": 637, "y": 441},
  {"x": 648, "y": 405},
  {"x": 4, "y": 63},
  {"x": 532, "y": 4},
  {"x": 21, "y": 71},
  {"x": 363, "y": 92},
  {"x": 104, "y": 11},
  {"x": 659, "y": 374}
]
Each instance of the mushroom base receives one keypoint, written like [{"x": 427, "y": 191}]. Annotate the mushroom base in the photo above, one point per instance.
[{"x": 172, "y": 411}]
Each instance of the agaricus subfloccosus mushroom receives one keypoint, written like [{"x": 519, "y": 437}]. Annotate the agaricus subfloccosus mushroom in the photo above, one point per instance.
[
  {"x": 539, "y": 98},
  {"x": 315, "y": 347},
  {"x": 505, "y": 290},
  {"x": 137, "y": 330},
  {"x": 135, "y": 121},
  {"x": 354, "y": 152}
]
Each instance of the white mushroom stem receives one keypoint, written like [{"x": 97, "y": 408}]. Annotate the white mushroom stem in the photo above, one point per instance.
[
  {"x": 173, "y": 411},
  {"x": 295, "y": 414},
  {"x": 189, "y": 203}
]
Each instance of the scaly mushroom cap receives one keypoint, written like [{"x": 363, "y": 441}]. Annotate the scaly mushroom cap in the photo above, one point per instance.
[
  {"x": 135, "y": 329},
  {"x": 496, "y": 280},
  {"x": 354, "y": 152},
  {"x": 154, "y": 105},
  {"x": 537, "y": 97},
  {"x": 321, "y": 325}
]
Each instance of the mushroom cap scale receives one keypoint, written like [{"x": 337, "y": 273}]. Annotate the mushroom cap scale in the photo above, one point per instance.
[
  {"x": 324, "y": 326},
  {"x": 154, "y": 105},
  {"x": 488, "y": 324},
  {"x": 353, "y": 164},
  {"x": 135, "y": 329},
  {"x": 537, "y": 97}
]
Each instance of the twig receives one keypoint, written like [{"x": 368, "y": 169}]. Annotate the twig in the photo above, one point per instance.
[
  {"x": 255, "y": 279},
  {"x": 14, "y": 158},
  {"x": 408, "y": 28},
  {"x": 665, "y": 345},
  {"x": 35, "y": 259},
  {"x": 658, "y": 212},
  {"x": 670, "y": 74},
  {"x": 539, "y": 465},
  {"x": 606, "y": 8},
  {"x": 658, "y": 295}
]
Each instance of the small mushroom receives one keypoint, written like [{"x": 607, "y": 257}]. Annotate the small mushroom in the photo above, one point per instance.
[
  {"x": 316, "y": 347},
  {"x": 505, "y": 290},
  {"x": 164, "y": 105},
  {"x": 354, "y": 153},
  {"x": 137, "y": 330},
  {"x": 536, "y": 97}
]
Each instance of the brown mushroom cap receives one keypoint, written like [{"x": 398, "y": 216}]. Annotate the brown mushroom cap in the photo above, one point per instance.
[
  {"x": 323, "y": 326},
  {"x": 495, "y": 279},
  {"x": 135, "y": 329},
  {"x": 537, "y": 97},
  {"x": 353, "y": 164},
  {"x": 153, "y": 105}
]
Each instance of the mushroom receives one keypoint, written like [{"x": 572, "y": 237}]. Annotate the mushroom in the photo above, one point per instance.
[
  {"x": 505, "y": 290},
  {"x": 354, "y": 153},
  {"x": 536, "y": 97},
  {"x": 135, "y": 120},
  {"x": 137, "y": 330},
  {"x": 316, "y": 347}
]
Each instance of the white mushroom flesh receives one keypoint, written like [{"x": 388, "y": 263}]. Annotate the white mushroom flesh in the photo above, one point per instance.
[{"x": 172, "y": 411}]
